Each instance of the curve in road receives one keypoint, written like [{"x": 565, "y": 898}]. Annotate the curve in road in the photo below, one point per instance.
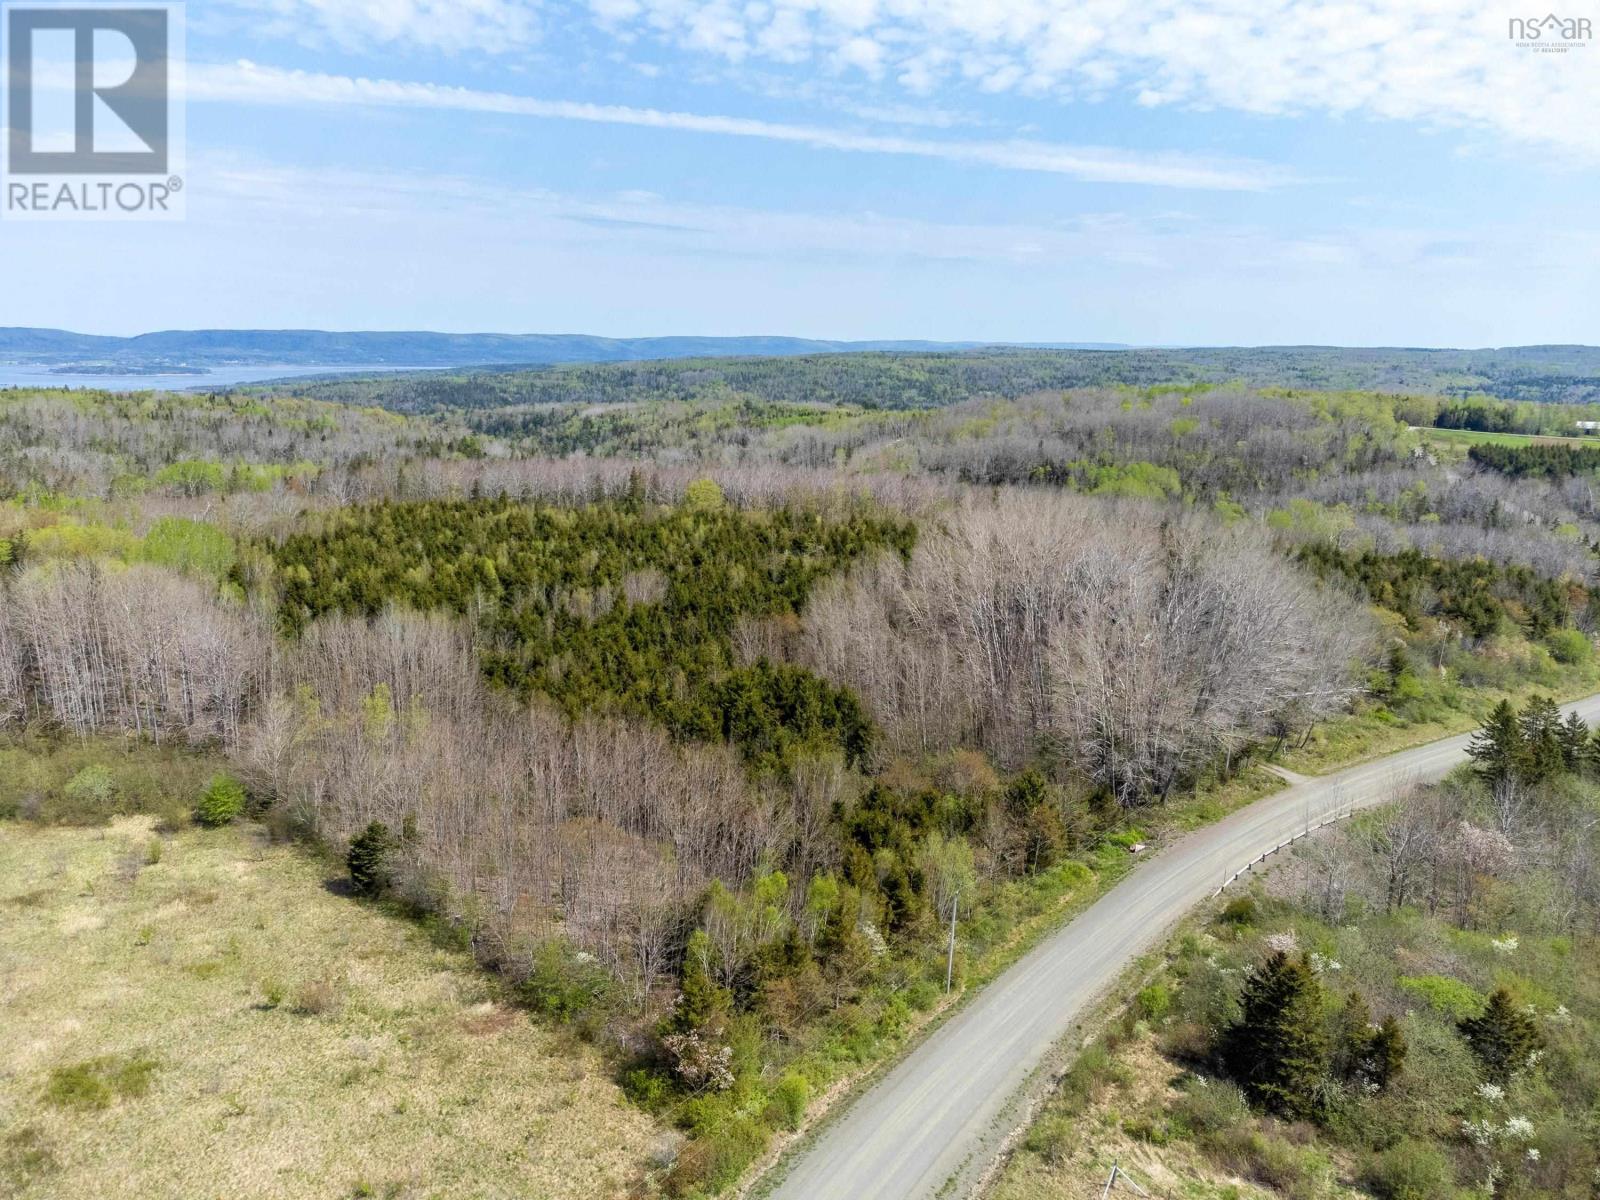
[{"x": 941, "y": 1113}]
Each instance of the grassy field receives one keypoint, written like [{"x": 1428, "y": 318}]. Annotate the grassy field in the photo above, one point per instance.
[
  {"x": 198, "y": 1016},
  {"x": 1469, "y": 437}
]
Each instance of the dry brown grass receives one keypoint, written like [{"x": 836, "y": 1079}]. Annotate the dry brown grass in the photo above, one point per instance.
[{"x": 384, "y": 1068}]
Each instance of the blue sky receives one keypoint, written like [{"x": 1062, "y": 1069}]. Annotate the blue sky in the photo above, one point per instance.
[{"x": 1333, "y": 171}]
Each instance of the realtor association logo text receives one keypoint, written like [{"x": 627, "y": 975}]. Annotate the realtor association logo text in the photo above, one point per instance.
[
  {"x": 94, "y": 126},
  {"x": 102, "y": 196},
  {"x": 1550, "y": 33}
]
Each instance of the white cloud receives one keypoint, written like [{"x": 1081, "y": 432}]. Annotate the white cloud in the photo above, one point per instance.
[
  {"x": 361, "y": 250},
  {"x": 1167, "y": 248},
  {"x": 247, "y": 82},
  {"x": 452, "y": 26},
  {"x": 1433, "y": 62}
]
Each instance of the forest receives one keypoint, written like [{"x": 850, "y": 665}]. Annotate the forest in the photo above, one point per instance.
[
  {"x": 1539, "y": 461},
  {"x": 885, "y": 381},
  {"x": 692, "y": 718}
]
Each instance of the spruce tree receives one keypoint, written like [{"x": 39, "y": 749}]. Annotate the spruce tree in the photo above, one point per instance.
[
  {"x": 1367, "y": 1055},
  {"x": 1278, "y": 1050},
  {"x": 1386, "y": 1054},
  {"x": 704, "y": 1004},
  {"x": 1497, "y": 747},
  {"x": 1540, "y": 727},
  {"x": 1574, "y": 741},
  {"x": 1503, "y": 1037},
  {"x": 368, "y": 859}
]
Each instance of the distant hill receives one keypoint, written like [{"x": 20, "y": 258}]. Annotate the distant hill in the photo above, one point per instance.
[
  {"x": 932, "y": 379},
  {"x": 479, "y": 370},
  {"x": 314, "y": 347}
]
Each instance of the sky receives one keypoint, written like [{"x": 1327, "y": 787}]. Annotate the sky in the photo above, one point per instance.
[{"x": 1237, "y": 172}]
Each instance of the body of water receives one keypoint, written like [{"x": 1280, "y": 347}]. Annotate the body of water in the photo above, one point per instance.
[{"x": 215, "y": 379}]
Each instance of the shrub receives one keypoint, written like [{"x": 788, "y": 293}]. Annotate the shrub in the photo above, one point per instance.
[
  {"x": 368, "y": 859},
  {"x": 316, "y": 998},
  {"x": 25, "y": 1155},
  {"x": 1155, "y": 1001},
  {"x": 1211, "y": 1107},
  {"x": 93, "y": 788},
  {"x": 79, "y": 1086},
  {"x": 1409, "y": 1171},
  {"x": 221, "y": 802},
  {"x": 1444, "y": 994},
  {"x": 1293, "y": 1172},
  {"x": 564, "y": 983},
  {"x": 645, "y": 1087},
  {"x": 789, "y": 1101},
  {"x": 272, "y": 993},
  {"x": 1053, "y": 1138},
  {"x": 710, "y": 1163},
  {"x": 1569, "y": 646},
  {"x": 1240, "y": 912}
]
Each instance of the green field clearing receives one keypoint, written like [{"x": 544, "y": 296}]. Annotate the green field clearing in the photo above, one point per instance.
[
  {"x": 217, "y": 1023},
  {"x": 1470, "y": 437}
]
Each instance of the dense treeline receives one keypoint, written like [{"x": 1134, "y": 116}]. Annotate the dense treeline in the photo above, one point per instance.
[
  {"x": 1543, "y": 460},
  {"x": 661, "y": 428},
  {"x": 1480, "y": 596},
  {"x": 1483, "y": 415},
  {"x": 610, "y": 607},
  {"x": 931, "y": 380},
  {"x": 1204, "y": 443},
  {"x": 1152, "y": 647},
  {"x": 142, "y": 650},
  {"x": 1167, "y": 443},
  {"x": 105, "y": 444}
]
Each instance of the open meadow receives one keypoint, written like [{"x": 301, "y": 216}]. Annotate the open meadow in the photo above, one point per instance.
[{"x": 197, "y": 1015}]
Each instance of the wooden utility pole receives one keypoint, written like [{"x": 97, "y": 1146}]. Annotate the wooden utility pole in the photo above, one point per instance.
[{"x": 950, "y": 960}]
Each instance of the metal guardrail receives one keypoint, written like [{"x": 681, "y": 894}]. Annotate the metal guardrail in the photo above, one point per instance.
[{"x": 1339, "y": 815}]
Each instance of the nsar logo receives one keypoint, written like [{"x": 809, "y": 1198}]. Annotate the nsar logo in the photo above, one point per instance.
[{"x": 1550, "y": 34}]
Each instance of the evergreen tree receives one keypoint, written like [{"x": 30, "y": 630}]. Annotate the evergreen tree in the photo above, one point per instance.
[
  {"x": 704, "y": 1004},
  {"x": 1543, "y": 754},
  {"x": 368, "y": 859},
  {"x": 1367, "y": 1055},
  {"x": 1503, "y": 1037},
  {"x": 1574, "y": 742},
  {"x": 1278, "y": 1050},
  {"x": 1497, "y": 747},
  {"x": 1386, "y": 1054}
]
